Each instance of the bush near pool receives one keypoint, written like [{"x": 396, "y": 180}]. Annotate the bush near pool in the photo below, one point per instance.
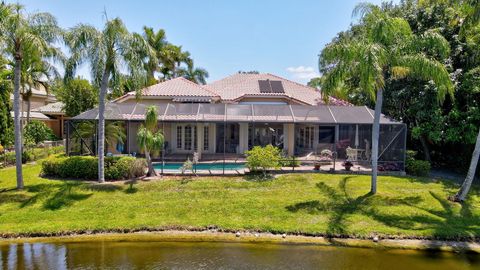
[{"x": 86, "y": 167}]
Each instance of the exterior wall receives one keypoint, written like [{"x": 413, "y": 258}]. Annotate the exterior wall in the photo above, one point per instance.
[{"x": 55, "y": 125}]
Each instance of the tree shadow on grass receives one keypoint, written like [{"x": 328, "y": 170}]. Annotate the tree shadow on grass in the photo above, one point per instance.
[
  {"x": 131, "y": 186},
  {"x": 104, "y": 187},
  {"x": 55, "y": 195},
  {"x": 258, "y": 177},
  {"x": 444, "y": 222},
  {"x": 339, "y": 205}
]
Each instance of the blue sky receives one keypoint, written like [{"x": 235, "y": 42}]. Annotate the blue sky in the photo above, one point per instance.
[{"x": 282, "y": 37}]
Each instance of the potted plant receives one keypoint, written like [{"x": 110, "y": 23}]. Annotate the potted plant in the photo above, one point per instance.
[{"x": 348, "y": 165}]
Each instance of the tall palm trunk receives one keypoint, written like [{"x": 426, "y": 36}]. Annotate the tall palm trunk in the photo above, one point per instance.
[
  {"x": 101, "y": 127},
  {"x": 18, "y": 124},
  {"x": 375, "y": 139},
  {"x": 462, "y": 193}
]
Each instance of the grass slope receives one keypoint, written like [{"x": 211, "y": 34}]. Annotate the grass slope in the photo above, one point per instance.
[{"x": 301, "y": 203}]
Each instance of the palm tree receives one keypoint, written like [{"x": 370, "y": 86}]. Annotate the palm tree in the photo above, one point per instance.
[
  {"x": 35, "y": 73},
  {"x": 191, "y": 73},
  {"x": 385, "y": 47},
  {"x": 149, "y": 138},
  {"x": 472, "y": 19},
  {"x": 156, "y": 40},
  {"x": 108, "y": 52},
  {"x": 20, "y": 33},
  {"x": 171, "y": 58}
]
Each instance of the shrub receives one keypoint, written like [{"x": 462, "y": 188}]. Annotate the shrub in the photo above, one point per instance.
[
  {"x": 36, "y": 132},
  {"x": 9, "y": 158},
  {"x": 55, "y": 150},
  {"x": 263, "y": 158},
  {"x": 80, "y": 167},
  {"x": 289, "y": 162},
  {"x": 416, "y": 167},
  {"x": 51, "y": 166},
  {"x": 130, "y": 167}
]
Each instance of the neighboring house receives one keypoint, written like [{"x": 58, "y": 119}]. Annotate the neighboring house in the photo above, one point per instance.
[
  {"x": 44, "y": 107},
  {"x": 233, "y": 114}
]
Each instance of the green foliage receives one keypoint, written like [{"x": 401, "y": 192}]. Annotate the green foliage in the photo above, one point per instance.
[
  {"x": 31, "y": 154},
  {"x": 36, "y": 132},
  {"x": 289, "y": 162},
  {"x": 130, "y": 167},
  {"x": 187, "y": 166},
  {"x": 6, "y": 121},
  {"x": 77, "y": 95},
  {"x": 86, "y": 167},
  {"x": 263, "y": 158},
  {"x": 416, "y": 167}
]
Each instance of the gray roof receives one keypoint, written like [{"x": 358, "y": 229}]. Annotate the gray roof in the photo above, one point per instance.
[
  {"x": 33, "y": 115},
  {"x": 51, "y": 108},
  {"x": 185, "y": 112}
]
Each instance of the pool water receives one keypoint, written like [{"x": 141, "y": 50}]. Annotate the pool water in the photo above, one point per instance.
[{"x": 230, "y": 166}]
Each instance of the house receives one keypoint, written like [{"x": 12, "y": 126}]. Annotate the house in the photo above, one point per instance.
[
  {"x": 231, "y": 115},
  {"x": 44, "y": 107}
]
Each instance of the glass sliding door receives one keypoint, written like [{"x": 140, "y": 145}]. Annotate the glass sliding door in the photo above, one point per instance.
[{"x": 228, "y": 138}]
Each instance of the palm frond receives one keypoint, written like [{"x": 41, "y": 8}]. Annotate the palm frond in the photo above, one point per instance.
[{"x": 425, "y": 68}]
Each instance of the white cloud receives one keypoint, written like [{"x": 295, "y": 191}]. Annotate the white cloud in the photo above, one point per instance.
[{"x": 303, "y": 73}]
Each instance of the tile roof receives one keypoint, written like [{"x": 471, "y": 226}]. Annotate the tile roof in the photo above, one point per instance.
[
  {"x": 56, "y": 108},
  {"x": 241, "y": 85},
  {"x": 33, "y": 115},
  {"x": 177, "y": 87}
]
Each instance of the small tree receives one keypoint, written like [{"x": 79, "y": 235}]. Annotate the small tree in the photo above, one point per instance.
[
  {"x": 77, "y": 95},
  {"x": 150, "y": 138},
  {"x": 37, "y": 132},
  {"x": 263, "y": 158}
]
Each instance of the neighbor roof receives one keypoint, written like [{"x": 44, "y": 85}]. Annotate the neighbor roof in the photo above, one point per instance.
[
  {"x": 51, "y": 108},
  {"x": 33, "y": 115},
  {"x": 178, "y": 87},
  {"x": 241, "y": 85}
]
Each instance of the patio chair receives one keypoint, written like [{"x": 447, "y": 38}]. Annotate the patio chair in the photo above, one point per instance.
[{"x": 352, "y": 154}]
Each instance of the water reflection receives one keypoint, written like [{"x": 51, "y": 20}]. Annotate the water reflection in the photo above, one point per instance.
[{"x": 168, "y": 255}]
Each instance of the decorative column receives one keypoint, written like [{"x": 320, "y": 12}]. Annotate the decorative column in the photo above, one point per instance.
[
  {"x": 243, "y": 143},
  {"x": 199, "y": 140},
  {"x": 289, "y": 138}
]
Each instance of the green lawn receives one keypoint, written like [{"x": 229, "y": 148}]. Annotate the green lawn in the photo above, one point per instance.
[{"x": 305, "y": 203}]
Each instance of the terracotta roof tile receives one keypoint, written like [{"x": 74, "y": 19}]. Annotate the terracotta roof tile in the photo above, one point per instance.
[{"x": 239, "y": 85}]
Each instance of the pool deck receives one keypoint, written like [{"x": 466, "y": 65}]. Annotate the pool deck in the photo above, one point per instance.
[{"x": 327, "y": 168}]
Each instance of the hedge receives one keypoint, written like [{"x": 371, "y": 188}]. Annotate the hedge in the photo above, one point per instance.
[
  {"x": 86, "y": 167},
  {"x": 416, "y": 167},
  {"x": 30, "y": 155}
]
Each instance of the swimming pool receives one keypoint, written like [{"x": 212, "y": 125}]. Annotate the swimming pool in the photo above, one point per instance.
[{"x": 230, "y": 166}]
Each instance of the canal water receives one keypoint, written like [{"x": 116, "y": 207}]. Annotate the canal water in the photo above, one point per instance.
[{"x": 214, "y": 255}]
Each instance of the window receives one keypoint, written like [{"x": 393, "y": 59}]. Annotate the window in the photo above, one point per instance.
[
  {"x": 188, "y": 138},
  {"x": 205, "y": 138},
  {"x": 326, "y": 134},
  {"x": 179, "y": 137}
]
